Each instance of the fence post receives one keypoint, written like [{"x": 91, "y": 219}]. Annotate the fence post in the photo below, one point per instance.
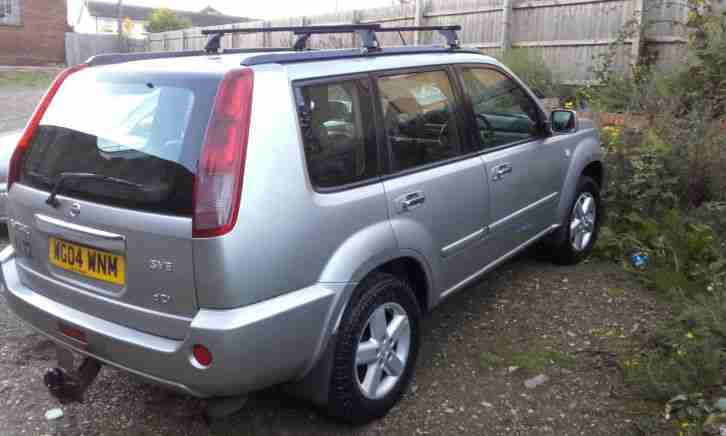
[
  {"x": 418, "y": 19},
  {"x": 266, "y": 36},
  {"x": 356, "y": 20},
  {"x": 506, "y": 40},
  {"x": 637, "y": 42}
]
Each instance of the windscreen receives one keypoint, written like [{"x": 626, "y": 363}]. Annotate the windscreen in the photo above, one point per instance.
[{"x": 145, "y": 129}]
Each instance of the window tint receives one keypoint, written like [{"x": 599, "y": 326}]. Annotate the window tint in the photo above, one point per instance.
[
  {"x": 419, "y": 118},
  {"x": 338, "y": 132},
  {"x": 504, "y": 113},
  {"x": 145, "y": 129}
]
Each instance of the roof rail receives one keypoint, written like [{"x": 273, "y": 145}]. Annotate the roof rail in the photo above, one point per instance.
[
  {"x": 325, "y": 55},
  {"x": 117, "y": 58},
  {"x": 366, "y": 32}
]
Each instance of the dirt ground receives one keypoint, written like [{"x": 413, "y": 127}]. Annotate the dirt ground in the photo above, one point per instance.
[
  {"x": 16, "y": 106},
  {"x": 20, "y": 91},
  {"x": 563, "y": 322}
]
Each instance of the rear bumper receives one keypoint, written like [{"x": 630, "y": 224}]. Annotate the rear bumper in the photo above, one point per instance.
[{"x": 253, "y": 347}]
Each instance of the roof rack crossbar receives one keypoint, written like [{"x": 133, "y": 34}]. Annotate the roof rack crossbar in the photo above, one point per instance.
[
  {"x": 366, "y": 33},
  {"x": 298, "y": 30},
  {"x": 448, "y": 32}
]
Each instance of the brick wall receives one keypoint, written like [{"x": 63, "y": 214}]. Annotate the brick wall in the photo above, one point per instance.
[{"x": 37, "y": 36}]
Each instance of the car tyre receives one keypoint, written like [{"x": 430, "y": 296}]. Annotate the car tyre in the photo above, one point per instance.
[
  {"x": 574, "y": 240},
  {"x": 375, "y": 350}
]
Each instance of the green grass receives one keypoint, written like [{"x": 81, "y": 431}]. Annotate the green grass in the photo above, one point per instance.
[
  {"x": 26, "y": 79},
  {"x": 616, "y": 292},
  {"x": 489, "y": 360},
  {"x": 535, "y": 359}
]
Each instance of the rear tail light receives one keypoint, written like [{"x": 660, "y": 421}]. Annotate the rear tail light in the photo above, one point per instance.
[
  {"x": 218, "y": 183},
  {"x": 202, "y": 355},
  {"x": 14, "y": 170}
]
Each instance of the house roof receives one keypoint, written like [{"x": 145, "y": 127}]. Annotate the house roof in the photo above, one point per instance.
[{"x": 141, "y": 13}]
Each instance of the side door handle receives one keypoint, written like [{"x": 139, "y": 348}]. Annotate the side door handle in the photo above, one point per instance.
[
  {"x": 500, "y": 171},
  {"x": 411, "y": 201}
]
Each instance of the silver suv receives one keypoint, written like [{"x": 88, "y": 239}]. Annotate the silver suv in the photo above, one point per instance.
[{"x": 221, "y": 223}]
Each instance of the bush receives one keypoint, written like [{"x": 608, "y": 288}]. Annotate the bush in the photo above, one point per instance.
[
  {"x": 667, "y": 194},
  {"x": 531, "y": 68},
  {"x": 686, "y": 353}
]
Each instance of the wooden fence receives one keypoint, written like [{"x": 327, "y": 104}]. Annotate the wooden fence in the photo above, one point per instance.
[
  {"x": 81, "y": 46},
  {"x": 568, "y": 34}
]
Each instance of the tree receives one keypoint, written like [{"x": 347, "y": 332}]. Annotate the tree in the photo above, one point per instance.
[
  {"x": 119, "y": 17},
  {"x": 163, "y": 19}
]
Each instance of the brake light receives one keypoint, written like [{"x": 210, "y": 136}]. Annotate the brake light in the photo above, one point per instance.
[
  {"x": 32, "y": 125},
  {"x": 218, "y": 183}
]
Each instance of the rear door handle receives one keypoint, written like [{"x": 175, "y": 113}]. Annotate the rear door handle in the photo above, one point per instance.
[
  {"x": 411, "y": 201},
  {"x": 500, "y": 171}
]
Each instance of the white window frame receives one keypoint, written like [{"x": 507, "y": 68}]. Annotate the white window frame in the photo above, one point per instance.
[{"x": 14, "y": 17}]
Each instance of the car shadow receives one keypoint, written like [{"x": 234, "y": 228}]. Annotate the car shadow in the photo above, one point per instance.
[{"x": 275, "y": 412}]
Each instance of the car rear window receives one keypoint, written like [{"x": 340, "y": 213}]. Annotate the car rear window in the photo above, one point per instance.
[{"x": 146, "y": 129}]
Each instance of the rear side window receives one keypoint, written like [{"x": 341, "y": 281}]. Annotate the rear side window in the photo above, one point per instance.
[
  {"x": 336, "y": 120},
  {"x": 419, "y": 113},
  {"x": 146, "y": 130}
]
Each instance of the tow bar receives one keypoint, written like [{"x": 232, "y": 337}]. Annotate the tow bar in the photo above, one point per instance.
[{"x": 67, "y": 384}]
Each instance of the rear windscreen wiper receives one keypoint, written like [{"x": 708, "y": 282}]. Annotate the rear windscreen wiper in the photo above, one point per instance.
[
  {"x": 45, "y": 180},
  {"x": 62, "y": 178}
]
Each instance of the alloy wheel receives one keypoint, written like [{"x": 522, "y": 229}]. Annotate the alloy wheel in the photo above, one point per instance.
[{"x": 382, "y": 351}]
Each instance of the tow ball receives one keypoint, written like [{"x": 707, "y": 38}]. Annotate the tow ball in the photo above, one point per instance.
[{"x": 68, "y": 384}]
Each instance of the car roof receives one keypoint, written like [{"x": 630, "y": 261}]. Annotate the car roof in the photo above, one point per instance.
[
  {"x": 306, "y": 70},
  {"x": 299, "y": 67}
]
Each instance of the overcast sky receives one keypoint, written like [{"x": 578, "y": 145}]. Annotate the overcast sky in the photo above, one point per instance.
[{"x": 265, "y": 9}]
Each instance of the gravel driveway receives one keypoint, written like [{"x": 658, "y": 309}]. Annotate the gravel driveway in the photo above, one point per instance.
[
  {"x": 16, "y": 106},
  {"x": 564, "y": 323}
]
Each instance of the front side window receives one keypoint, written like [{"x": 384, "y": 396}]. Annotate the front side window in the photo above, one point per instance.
[
  {"x": 336, "y": 121},
  {"x": 504, "y": 113},
  {"x": 419, "y": 112}
]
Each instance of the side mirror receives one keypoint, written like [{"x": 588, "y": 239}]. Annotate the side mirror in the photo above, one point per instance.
[
  {"x": 563, "y": 121},
  {"x": 538, "y": 93}
]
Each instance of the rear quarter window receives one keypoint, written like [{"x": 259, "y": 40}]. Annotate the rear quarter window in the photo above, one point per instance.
[{"x": 336, "y": 122}]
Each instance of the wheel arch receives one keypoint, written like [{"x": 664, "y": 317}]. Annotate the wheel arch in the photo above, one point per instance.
[
  {"x": 313, "y": 381},
  {"x": 596, "y": 171},
  {"x": 587, "y": 160}
]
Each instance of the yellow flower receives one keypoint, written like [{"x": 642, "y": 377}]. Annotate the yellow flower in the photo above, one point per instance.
[{"x": 690, "y": 335}]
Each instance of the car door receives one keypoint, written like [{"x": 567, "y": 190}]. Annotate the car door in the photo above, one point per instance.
[
  {"x": 437, "y": 197},
  {"x": 525, "y": 169}
]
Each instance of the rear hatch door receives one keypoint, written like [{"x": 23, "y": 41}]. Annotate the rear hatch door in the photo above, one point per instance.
[{"x": 117, "y": 243}]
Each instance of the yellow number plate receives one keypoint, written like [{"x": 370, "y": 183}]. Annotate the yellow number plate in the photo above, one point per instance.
[{"x": 88, "y": 262}]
